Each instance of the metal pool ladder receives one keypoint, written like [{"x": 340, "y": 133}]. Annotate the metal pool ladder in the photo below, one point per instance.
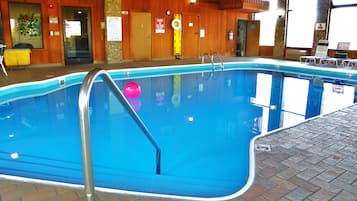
[
  {"x": 83, "y": 109},
  {"x": 211, "y": 59}
]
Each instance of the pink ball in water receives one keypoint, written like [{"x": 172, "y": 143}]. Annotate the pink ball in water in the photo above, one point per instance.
[{"x": 132, "y": 90}]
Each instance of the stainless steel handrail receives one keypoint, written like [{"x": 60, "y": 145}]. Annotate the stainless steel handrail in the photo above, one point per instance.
[
  {"x": 211, "y": 59},
  {"x": 220, "y": 60},
  {"x": 204, "y": 56},
  {"x": 83, "y": 109}
]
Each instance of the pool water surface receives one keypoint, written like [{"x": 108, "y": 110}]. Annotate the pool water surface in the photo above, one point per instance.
[{"x": 203, "y": 123}]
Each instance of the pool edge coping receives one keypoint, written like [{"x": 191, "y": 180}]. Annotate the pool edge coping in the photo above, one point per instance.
[{"x": 252, "y": 151}]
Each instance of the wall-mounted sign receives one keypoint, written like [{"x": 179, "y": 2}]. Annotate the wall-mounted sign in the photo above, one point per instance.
[
  {"x": 53, "y": 19},
  {"x": 320, "y": 26},
  {"x": 202, "y": 33},
  {"x": 114, "y": 28},
  {"x": 73, "y": 28},
  {"x": 160, "y": 25}
]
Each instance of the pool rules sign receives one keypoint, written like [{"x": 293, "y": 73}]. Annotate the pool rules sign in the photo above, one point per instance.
[{"x": 114, "y": 28}]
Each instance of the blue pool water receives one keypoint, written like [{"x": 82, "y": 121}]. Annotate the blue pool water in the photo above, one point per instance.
[{"x": 203, "y": 123}]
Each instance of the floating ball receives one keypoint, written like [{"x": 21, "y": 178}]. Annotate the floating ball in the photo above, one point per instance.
[{"x": 132, "y": 90}]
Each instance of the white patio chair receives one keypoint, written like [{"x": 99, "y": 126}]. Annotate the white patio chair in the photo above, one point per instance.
[
  {"x": 320, "y": 53},
  {"x": 2, "y": 49},
  {"x": 341, "y": 55}
]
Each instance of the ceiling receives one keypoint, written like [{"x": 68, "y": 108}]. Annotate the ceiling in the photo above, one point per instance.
[
  {"x": 211, "y": 1},
  {"x": 244, "y": 5}
]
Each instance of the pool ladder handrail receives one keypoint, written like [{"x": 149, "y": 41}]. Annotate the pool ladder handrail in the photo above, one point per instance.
[
  {"x": 219, "y": 57},
  {"x": 83, "y": 109},
  {"x": 211, "y": 59}
]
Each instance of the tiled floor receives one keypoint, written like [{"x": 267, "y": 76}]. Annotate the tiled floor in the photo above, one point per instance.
[
  {"x": 315, "y": 160},
  {"x": 25, "y": 74}
]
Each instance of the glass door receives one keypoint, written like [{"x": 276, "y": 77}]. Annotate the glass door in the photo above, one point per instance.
[{"x": 77, "y": 35}]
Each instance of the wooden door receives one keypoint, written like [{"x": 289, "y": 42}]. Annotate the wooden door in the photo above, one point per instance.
[
  {"x": 140, "y": 36},
  {"x": 190, "y": 36},
  {"x": 252, "y": 45}
]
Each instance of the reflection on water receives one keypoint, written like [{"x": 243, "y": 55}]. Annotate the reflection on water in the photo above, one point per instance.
[
  {"x": 292, "y": 99},
  {"x": 203, "y": 123}
]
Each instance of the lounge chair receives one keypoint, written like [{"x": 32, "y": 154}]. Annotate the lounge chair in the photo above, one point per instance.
[
  {"x": 2, "y": 49},
  {"x": 341, "y": 55},
  {"x": 321, "y": 53},
  {"x": 349, "y": 63}
]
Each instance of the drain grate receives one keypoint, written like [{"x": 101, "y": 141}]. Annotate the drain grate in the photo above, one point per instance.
[{"x": 262, "y": 147}]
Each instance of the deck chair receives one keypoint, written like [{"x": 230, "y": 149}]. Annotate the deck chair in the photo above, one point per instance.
[
  {"x": 2, "y": 49},
  {"x": 349, "y": 63},
  {"x": 320, "y": 53},
  {"x": 341, "y": 55}
]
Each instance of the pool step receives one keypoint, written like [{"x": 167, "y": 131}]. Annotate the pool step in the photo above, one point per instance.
[{"x": 68, "y": 172}]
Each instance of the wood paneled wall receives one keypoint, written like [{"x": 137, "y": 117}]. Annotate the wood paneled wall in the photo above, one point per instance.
[
  {"x": 215, "y": 21},
  {"x": 266, "y": 51},
  {"x": 52, "y": 51}
]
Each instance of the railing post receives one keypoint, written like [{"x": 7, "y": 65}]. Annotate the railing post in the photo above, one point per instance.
[
  {"x": 83, "y": 101},
  {"x": 83, "y": 110}
]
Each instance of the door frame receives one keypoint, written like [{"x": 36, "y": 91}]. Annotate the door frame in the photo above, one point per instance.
[
  {"x": 78, "y": 60},
  {"x": 253, "y": 32},
  {"x": 186, "y": 19},
  {"x": 146, "y": 35}
]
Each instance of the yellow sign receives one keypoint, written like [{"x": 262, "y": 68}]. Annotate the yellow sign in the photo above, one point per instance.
[{"x": 177, "y": 26}]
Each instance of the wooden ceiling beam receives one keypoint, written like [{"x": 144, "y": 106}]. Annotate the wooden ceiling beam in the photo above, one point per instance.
[{"x": 250, "y": 6}]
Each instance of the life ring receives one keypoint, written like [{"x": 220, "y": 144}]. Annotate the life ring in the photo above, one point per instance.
[
  {"x": 176, "y": 99},
  {"x": 176, "y": 24}
]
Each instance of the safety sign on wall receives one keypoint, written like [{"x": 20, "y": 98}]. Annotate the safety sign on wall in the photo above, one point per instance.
[
  {"x": 160, "y": 25},
  {"x": 114, "y": 28}
]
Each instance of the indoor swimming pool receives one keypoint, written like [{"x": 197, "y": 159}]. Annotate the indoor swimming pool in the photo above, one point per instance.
[{"x": 205, "y": 122}]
